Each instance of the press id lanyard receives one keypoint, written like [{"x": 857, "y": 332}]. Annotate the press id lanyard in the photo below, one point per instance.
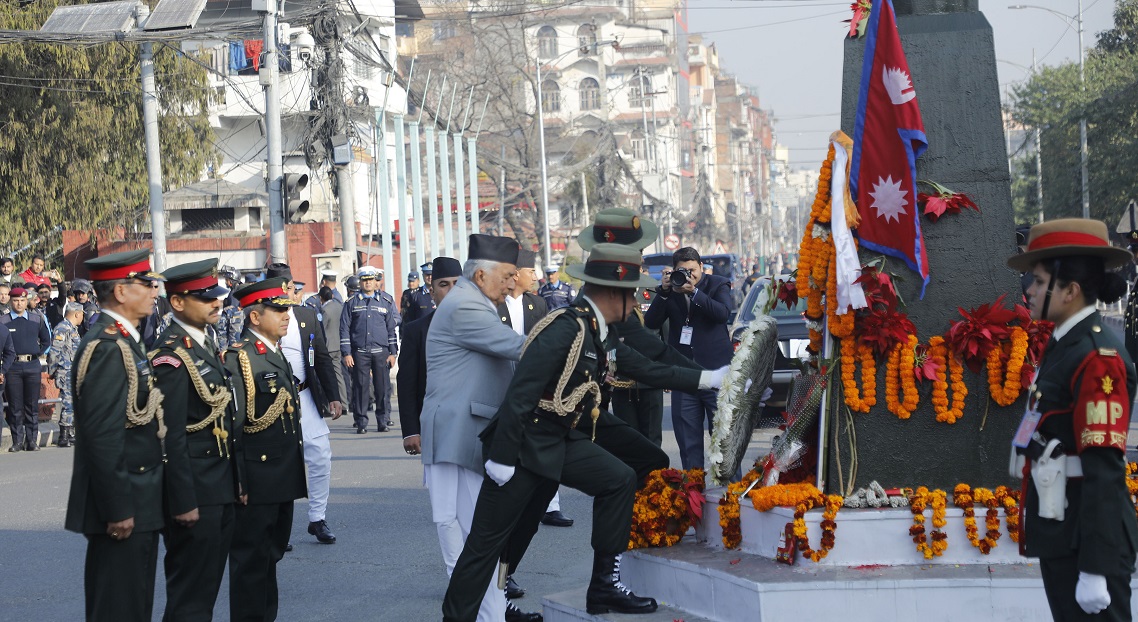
[
  {"x": 686, "y": 331},
  {"x": 1031, "y": 417}
]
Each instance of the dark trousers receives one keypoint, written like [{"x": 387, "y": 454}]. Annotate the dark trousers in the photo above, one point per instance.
[
  {"x": 22, "y": 388},
  {"x": 118, "y": 579},
  {"x": 643, "y": 409},
  {"x": 259, "y": 542},
  {"x": 1060, "y": 575},
  {"x": 614, "y": 436},
  {"x": 587, "y": 468},
  {"x": 195, "y": 563},
  {"x": 371, "y": 373},
  {"x": 691, "y": 414},
  {"x": 346, "y": 377}
]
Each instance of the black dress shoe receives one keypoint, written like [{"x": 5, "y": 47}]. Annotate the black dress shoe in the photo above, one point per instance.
[
  {"x": 32, "y": 446},
  {"x": 381, "y": 428},
  {"x": 556, "y": 519},
  {"x": 288, "y": 547},
  {"x": 513, "y": 614},
  {"x": 513, "y": 590},
  {"x": 320, "y": 530},
  {"x": 361, "y": 430}
]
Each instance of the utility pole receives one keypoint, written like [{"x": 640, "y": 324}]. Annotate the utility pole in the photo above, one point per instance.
[
  {"x": 1083, "y": 123},
  {"x": 502, "y": 195},
  {"x": 1038, "y": 155},
  {"x": 153, "y": 152},
  {"x": 269, "y": 77}
]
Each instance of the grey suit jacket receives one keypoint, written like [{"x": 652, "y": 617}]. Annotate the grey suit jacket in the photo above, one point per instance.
[{"x": 470, "y": 361}]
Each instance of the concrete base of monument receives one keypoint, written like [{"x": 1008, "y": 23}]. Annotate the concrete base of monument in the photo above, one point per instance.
[{"x": 863, "y": 536}]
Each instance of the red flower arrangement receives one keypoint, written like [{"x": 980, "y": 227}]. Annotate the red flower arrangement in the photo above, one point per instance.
[
  {"x": 669, "y": 503},
  {"x": 943, "y": 201},
  {"x": 788, "y": 293},
  {"x": 981, "y": 330}
]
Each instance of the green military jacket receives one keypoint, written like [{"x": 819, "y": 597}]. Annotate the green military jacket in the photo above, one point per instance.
[
  {"x": 118, "y": 467},
  {"x": 268, "y": 438},
  {"x": 649, "y": 344},
  {"x": 1099, "y": 525},
  {"x": 200, "y": 417},
  {"x": 520, "y": 435}
]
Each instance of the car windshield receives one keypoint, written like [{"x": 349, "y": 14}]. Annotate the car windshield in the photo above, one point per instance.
[{"x": 757, "y": 299}]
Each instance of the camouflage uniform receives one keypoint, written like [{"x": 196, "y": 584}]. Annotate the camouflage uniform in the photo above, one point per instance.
[
  {"x": 230, "y": 325},
  {"x": 64, "y": 343}
]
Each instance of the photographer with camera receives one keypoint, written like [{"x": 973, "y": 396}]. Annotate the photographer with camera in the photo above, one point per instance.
[{"x": 697, "y": 307}]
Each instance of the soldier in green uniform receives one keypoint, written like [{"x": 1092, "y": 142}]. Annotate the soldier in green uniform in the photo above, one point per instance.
[
  {"x": 270, "y": 447},
  {"x": 116, "y": 482},
  {"x": 1070, "y": 447},
  {"x": 533, "y": 443},
  {"x": 201, "y": 481}
]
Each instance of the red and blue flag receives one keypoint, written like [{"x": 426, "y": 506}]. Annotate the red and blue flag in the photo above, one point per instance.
[{"x": 888, "y": 138}]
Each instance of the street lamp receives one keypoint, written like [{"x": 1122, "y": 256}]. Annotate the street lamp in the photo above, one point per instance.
[
  {"x": 541, "y": 142},
  {"x": 1077, "y": 21}
]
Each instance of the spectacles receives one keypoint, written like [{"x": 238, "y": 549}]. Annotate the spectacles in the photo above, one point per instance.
[{"x": 146, "y": 284}]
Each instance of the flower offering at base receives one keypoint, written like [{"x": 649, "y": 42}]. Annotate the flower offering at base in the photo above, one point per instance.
[{"x": 670, "y": 502}]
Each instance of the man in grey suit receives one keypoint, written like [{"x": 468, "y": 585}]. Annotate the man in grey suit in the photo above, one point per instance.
[
  {"x": 330, "y": 310},
  {"x": 467, "y": 340}
]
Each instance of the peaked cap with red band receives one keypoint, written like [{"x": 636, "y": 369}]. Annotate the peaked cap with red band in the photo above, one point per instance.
[
  {"x": 618, "y": 226},
  {"x": 612, "y": 265},
  {"x": 268, "y": 292},
  {"x": 125, "y": 265},
  {"x": 198, "y": 278},
  {"x": 1067, "y": 237}
]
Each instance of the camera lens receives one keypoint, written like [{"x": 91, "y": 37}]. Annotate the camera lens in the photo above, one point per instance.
[{"x": 679, "y": 277}]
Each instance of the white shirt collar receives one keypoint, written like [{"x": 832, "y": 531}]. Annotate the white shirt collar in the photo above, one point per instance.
[
  {"x": 517, "y": 316},
  {"x": 128, "y": 325},
  {"x": 195, "y": 334},
  {"x": 1070, "y": 322},
  {"x": 272, "y": 345},
  {"x": 602, "y": 328}
]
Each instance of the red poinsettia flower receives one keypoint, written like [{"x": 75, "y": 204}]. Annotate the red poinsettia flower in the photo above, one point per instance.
[
  {"x": 884, "y": 328},
  {"x": 943, "y": 201},
  {"x": 981, "y": 330},
  {"x": 694, "y": 492},
  {"x": 924, "y": 367},
  {"x": 788, "y": 293},
  {"x": 878, "y": 287},
  {"x": 1038, "y": 334}
]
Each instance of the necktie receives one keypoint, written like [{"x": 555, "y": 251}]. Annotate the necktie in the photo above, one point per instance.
[{"x": 210, "y": 344}]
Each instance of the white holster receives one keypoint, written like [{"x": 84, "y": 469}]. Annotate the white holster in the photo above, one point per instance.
[{"x": 1049, "y": 474}]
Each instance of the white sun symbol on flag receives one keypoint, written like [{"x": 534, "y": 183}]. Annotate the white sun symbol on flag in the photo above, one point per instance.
[{"x": 889, "y": 198}]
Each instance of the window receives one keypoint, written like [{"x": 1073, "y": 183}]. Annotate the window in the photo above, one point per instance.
[
  {"x": 209, "y": 219},
  {"x": 444, "y": 29},
  {"x": 639, "y": 146},
  {"x": 590, "y": 94},
  {"x": 547, "y": 42},
  {"x": 587, "y": 39},
  {"x": 404, "y": 29},
  {"x": 550, "y": 96},
  {"x": 638, "y": 90}
]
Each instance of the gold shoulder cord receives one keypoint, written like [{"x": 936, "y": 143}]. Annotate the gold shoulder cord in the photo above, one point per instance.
[
  {"x": 283, "y": 403},
  {"x": 135, "y": 416},
  {"x": 564, "y": 407},
  {"x": 217, "y": 401},
  {"x": 618, "y": 383}
]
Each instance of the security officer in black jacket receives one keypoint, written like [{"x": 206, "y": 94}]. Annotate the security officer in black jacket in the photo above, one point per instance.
[
  {"x": 533, "y": 443},
  {"x": 117, "y": 480},
  {"x": 31, "y": 338},
  {"x": 201, "y": 475},
  {"x": 417, "y": 302},
  {"x": 270, "y": 448}
]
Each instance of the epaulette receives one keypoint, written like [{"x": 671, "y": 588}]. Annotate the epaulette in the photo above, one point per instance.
[{"x": 260, "y": 347}]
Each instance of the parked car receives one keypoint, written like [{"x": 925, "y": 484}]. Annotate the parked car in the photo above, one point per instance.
[{"x": 793, "y": 337}]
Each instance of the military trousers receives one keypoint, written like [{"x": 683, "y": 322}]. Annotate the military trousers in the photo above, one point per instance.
[
  {"x": 643, "y": 409},
  {"x": 1061, "y": 575},
  {"x": 195, "y": 563},
  {"x": 259, "y": 542},
  {"x": 501, "y": 509},
  {"x": 371, "y": 373},
  {"x": 118, "y": 577},
  {"x": 22, "y": 389}
]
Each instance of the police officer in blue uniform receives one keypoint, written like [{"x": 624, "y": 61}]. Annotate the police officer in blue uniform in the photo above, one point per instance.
[
  {"x": 557, "y": 294},
  {"x": 31, "y": 338},
  {"x": 369, "y": 346},
  {"x": 417, "y": 302}
]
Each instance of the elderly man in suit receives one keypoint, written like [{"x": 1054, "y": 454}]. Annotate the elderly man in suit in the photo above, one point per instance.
[
  {"x": 467, "y": 340},
  {"x": 697, "y": 306}
]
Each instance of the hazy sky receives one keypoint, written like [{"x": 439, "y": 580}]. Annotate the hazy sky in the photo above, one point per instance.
[{"x": 792, "y": 51}]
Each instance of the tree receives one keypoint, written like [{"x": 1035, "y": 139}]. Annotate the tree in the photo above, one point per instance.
[
  {"x": 71, "y": 146},
  {"x": 1053, "y": 100}
]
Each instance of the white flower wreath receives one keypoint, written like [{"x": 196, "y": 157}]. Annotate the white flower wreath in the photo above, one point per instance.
[{"x": 740, "y": 396}]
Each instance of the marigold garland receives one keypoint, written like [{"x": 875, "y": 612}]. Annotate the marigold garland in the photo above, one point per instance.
[
  {"x": 920, "y": 500},
  {"x": 1009, "y": 499},
  {"x": 1005, "y": 386},
  {"x": 802, "y": 497},
  {"x": 865, "y": 398},
  {"x": 666, "y": 507},
  {"x": 729, "y": 509},
  {"x": 965, "y": 497},
  {"x": 945, "y": 359},
  {"x": 899, "y": 373}
]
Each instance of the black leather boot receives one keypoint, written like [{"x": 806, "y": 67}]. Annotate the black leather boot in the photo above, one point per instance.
[
  {"x": 606, "y": 594},
  {"x": 513, "y": 614},
  {"x": 64, "y": 439},
  {"x": 17, "y": 441}
]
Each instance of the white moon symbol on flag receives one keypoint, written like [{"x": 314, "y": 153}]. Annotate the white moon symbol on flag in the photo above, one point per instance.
[{"x": 898, "y": 85}]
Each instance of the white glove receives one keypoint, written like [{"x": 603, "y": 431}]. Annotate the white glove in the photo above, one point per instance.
[
  {"x": 1091, "y": 593},
  {"x": 501, "y": 473},
  {"x": 712, "y": 378},
  {"x": 767, "y": 393}
]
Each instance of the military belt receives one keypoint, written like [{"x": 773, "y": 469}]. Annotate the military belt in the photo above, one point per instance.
[{"x": 24, "y": 358}]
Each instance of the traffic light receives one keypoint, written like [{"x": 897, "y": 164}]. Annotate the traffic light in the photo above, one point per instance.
[{"x": 294, "y": 207}]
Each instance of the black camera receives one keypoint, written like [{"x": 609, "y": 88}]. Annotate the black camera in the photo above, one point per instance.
[{"x": 679, "y": 277}]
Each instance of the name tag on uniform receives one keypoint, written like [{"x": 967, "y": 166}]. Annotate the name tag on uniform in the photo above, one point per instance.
[
  {"x": 685, "y": 335},
  {"x": 382, "y": 310},
  {"x": 589, "y": 354},
  {"x": 1027, "y": 425}
]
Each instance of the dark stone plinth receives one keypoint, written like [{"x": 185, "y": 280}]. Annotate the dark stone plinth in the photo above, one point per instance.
[
  {"x": 952, "y": 60},
  {"x": 933, "y": 7}
]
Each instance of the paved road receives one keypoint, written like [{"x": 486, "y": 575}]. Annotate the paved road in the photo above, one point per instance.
[{"x": 386, "y": 565}]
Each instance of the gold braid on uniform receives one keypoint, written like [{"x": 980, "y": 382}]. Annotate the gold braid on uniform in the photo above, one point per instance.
[
  {"x": 282, "y": 404},
  {"x": 218, "y": 402},
  {"x": 135, "y": 416},
  {"x": 612, "y": 380},
  {"x": 566, "y": 406}
]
